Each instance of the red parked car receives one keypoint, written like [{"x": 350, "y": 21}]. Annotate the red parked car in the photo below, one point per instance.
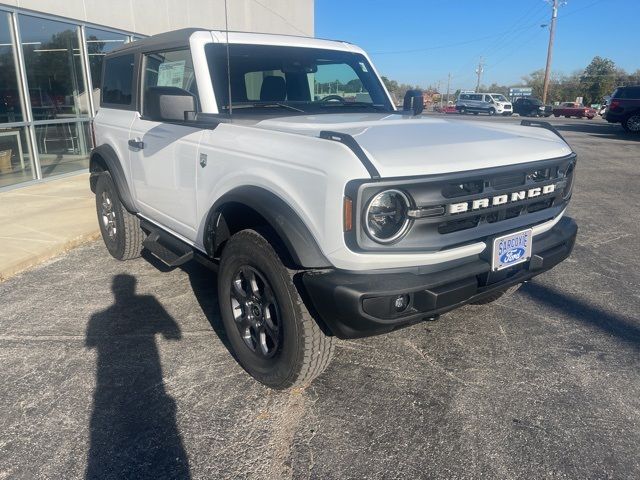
[{"x": 573, "y": 109}]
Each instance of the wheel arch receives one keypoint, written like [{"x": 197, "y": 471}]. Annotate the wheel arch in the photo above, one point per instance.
[
  {"x": 104, "y": 158},
  {"x": 255, "y": 207}
]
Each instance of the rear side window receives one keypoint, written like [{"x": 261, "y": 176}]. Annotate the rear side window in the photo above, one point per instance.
[
  {"x": 118, "y": 81},
  {"x": 628, "y": 92}
]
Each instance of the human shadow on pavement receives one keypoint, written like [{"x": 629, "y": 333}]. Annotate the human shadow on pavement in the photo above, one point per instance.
[
  {"x": 611, "y": 323},
  {"x": 204, "y": 285},
  {"x": 205, "y": 288},
  {"x": 133, "y": 428}
]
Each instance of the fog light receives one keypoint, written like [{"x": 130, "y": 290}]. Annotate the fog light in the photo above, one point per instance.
[{"x": 401, "y": 302}]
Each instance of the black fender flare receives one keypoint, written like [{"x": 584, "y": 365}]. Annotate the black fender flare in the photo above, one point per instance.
[
  {"x": 295, "y": 235},
  {"x": 105, "y": 154}
]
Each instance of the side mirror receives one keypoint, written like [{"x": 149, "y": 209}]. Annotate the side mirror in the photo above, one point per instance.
[
  {"x": 413, "y": 102},
  {"x": 169, "y": 104}
]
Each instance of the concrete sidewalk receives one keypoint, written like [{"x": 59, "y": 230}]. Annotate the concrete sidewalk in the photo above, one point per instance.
[{"x": 41, "y": 221}]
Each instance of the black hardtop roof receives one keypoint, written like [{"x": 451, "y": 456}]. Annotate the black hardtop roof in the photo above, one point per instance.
[
  {"x": 179, "y": 38},
  {"x": 174, "y": 38}
]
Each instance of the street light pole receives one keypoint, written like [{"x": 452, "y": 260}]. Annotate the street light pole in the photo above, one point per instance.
[
  {"x": 479, "y": 71},
  {"x": 552, "y": 32}
]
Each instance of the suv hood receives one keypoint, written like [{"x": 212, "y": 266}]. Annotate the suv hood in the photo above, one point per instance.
[{"x": 401, "y": 145}]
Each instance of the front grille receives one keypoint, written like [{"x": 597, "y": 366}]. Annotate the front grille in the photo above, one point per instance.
[
  {"x": 498, "y": 186},
  {"x": 457, "y": 226}
]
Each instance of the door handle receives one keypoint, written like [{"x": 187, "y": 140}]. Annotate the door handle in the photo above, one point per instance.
[{"x": 136, "y": 143}]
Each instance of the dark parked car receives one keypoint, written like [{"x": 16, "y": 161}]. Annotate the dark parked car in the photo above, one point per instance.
[
  {"x": 624, "y": 108},
  {"x": 531, "y": 107}
]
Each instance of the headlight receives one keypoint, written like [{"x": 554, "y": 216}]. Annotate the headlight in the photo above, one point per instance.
[{"x": 386, "y": 216}]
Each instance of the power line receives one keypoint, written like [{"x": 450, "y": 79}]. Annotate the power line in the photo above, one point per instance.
[
  {"x": 527, "y": 41},
  {"x": 577, "y": 10},
  {"x": 530, "y": 13},
  {"x": 449, "y": 45},
  {"x": 282, "y": 17},
  {"x": 504, "y": 42}
]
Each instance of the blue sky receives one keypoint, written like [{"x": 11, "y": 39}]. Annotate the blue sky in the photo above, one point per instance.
[{"x": 420, "y": 41}]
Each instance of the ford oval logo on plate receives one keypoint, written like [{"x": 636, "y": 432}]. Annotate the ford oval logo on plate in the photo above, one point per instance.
[
  {"x": 511, "y": 249},
  {"x": 512, "y": 255}
]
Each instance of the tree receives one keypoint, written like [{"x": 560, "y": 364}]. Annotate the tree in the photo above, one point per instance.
[
  {"x": 398, "y": 90},
  {"x": 535, "y": 80},
  {"x": 598, "y": 79}
]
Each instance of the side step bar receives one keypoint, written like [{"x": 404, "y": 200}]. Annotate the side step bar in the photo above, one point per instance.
[{"x": 168, "y": 249}]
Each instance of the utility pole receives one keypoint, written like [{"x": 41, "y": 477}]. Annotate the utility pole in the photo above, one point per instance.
[
  {"x": 479, "y": 71},
  {"x": 552, "y": 32},
  {"x": 448, "y": 85}
]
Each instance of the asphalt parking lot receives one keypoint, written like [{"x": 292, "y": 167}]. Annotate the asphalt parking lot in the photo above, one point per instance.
[{"x": 137, "y": 382}]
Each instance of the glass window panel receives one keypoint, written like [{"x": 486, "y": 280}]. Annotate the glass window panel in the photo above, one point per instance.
[
  {"x": 10, "y": 106},
  {"x": 54, "y": 68},
  {"x": 169, "y": 69},
  {"x": 118, "y": 80},
  {"x": 15, "y": 157},
  {"x": 99, "y": 43},
  {"x": 63, "y": 147}
]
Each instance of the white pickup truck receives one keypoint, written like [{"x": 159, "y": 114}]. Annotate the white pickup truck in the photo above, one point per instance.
[{"x": 282, "y": 162}]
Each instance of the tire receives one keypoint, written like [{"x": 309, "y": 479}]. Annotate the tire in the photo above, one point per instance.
[
  {"x": 120, "y": 229},
  {"x": 492, "y": 112},
  {"x": 462, "y": 110},
  {"x": 632, "y": 123},
  {"x": 272, "y": 335},
  {"x": 567, "y": 116},
  {"x": 556, "y": 115},
  {"x": 496, "y": 295},
  {"x": 475, "y": 113}
]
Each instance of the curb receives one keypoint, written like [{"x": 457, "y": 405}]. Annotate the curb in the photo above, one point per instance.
[{"x": 22, "y": 266}]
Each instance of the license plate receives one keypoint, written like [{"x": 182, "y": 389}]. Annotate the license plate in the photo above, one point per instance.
[{"x": 511, "y": 249}]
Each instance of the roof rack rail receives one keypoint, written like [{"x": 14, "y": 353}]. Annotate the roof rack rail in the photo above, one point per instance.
[{"x": 541, "y": 124}]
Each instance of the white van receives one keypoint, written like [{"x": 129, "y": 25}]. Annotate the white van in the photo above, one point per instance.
[{"x": 489, "y": 103}]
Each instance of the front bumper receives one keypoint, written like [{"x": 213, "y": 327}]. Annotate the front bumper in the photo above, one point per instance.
[{"x": 356, "y": 305}]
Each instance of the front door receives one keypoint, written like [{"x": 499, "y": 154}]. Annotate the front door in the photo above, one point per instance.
[{"x": 164, "y": 156}]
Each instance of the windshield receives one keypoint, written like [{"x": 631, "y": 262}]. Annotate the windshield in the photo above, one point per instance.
[
  {"x": 499, "y": 98},
  {"x": 295, "y": 79}
]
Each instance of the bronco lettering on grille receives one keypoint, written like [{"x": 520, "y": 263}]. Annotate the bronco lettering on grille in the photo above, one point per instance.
[{"x": 500, "y": 199}]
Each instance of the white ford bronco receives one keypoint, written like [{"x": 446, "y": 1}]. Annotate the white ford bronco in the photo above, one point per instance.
[{"x": 282, "y": 162}]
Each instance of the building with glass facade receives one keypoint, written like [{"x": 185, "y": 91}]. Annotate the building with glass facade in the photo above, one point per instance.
[{"x": 51, "y": 66}]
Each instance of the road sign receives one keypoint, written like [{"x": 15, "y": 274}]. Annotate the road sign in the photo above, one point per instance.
[{"x": 520, "y": 92}]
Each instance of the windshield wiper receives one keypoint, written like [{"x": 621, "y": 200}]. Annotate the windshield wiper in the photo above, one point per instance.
[
  {"x": 353, "y": 104},
  {"x": 268, "y": 105}
]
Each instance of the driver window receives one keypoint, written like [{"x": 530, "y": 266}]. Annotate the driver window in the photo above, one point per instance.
[{"x": 169, "y": 69}]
